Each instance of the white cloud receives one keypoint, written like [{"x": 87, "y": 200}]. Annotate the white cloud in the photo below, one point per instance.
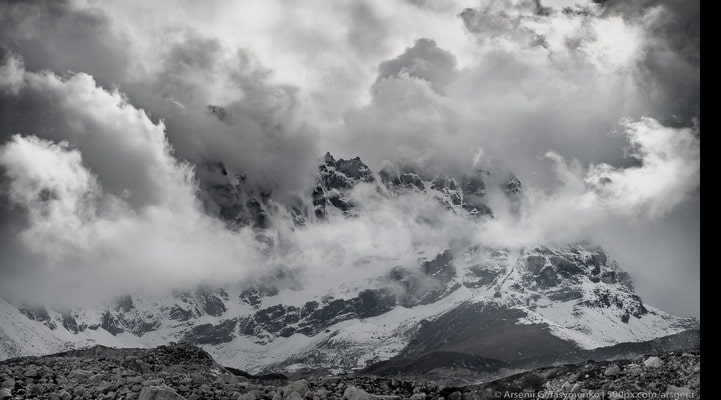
[
  {"x": 599, "y": 197},
  {"x": 50, "y": 182},
  {"x": 669, "y": 173},
  {"x": 83, "y": 224}
]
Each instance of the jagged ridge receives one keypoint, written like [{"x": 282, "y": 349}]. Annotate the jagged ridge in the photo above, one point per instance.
[{"x": 573, "y": 295}]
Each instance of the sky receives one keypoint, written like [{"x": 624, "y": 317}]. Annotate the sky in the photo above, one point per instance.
[{"x": 104, "y": 127}]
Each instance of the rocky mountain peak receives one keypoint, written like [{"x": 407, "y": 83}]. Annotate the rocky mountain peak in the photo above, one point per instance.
[
  {"x": 226, "y": 194},
  {"x": 432, "y": 309},
  {"x": 336, "y": 177},
  {"x": 218, "y": 111}
]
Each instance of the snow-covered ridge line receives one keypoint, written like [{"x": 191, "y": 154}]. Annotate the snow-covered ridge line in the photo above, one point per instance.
[{"x": 573, "y": 292}]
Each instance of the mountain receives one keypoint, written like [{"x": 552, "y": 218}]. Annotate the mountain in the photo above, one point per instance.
[{"x": 472, "y": 307}]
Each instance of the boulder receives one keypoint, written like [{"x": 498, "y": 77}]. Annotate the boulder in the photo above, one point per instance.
[
  {"x": 612, "y": 370},
  {"x": 653, "y": 362},
  {"x": 159, "y": 393},
  {"x": 301, "y": 387},
  {"x": 681, "y": 392},
  {"x": 354, "y": 393}
]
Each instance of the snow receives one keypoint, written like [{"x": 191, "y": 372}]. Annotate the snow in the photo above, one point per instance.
[
  {"x": 362, "y": 340},
  {"x": 599, "y": 327},
  {"x": 19, "y": 336},
  {"x": 355, "y": 343}
]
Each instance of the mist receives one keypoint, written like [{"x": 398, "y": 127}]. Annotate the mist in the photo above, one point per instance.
[{"x": 105, "y": 127}]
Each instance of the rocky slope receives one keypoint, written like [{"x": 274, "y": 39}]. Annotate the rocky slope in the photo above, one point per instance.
[
  {"x": 182, "y": 371},
  {"x": 486, "y": 308}
]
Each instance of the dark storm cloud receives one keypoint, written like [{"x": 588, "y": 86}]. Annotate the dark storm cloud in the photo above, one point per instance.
[
  {"x": 73, "y": 114},
  {"x": 368, "y": 31},
  {"x": 425, "y": 60},
  {"x": 53, "y": 35},
  {"x": 176, "y": 79},
  {"x": 261, "y": 136},
  {"x": 673, "y": 60}
]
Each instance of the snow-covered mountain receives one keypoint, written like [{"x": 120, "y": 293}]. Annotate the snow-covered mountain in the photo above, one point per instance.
[{"x": 481, "y": 306}]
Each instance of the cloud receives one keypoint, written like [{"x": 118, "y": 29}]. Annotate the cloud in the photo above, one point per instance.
[
  {"x": 50, "y": 181},
  {"x": 59, "y": 36},
  {"x": 669, "y": 172},
  {"x": 104, "y": 199},
  {"x": 598, "y": 196},
  {"x": 538, "y": 80},
  {"x": 645, "y": 214},
  {"x": 423, "y": 61},
  {"x": 118, "y": 93},
  {"x": 93, "y": 120},
  {"x": 107, "y": 208},
  {"x": 174, "y": 72}
]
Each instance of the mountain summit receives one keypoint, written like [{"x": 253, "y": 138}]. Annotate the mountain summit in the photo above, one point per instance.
[{"x": 472, "y": 306}]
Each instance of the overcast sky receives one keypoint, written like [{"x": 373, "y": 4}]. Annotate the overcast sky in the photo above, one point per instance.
[{"x": 104, "y": 120}]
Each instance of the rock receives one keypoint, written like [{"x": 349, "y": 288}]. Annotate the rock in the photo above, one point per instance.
[
  {"x": 80, "y": 374},
  {"x": 31, "y": 373},
  {"x": 197, "y": 379},
  {"x": 5, "y": 393},
  {"x": 330, "y": 380},
  {"x": 653, "y": 362},
  {"x": 213, "y": 334},
  {"x": 105, "y": 388},
  {"x": 64, "y": 395},
  {"x": 78, "y": 391},
  {"x": 183, "y": 371},
  {"x": 247, "y": 396},
  {"x": 612, "y": 370},
  {"x": 231, "y": 379},
  {"x": 301, "y": 387},
  {"x": 688, "y": 393},
  {"x": 354, "y": 393},
  {"x": 294, "y": 396},
  {"x": 36, "y": 389},
  {"x": 159, "y": 393}
]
